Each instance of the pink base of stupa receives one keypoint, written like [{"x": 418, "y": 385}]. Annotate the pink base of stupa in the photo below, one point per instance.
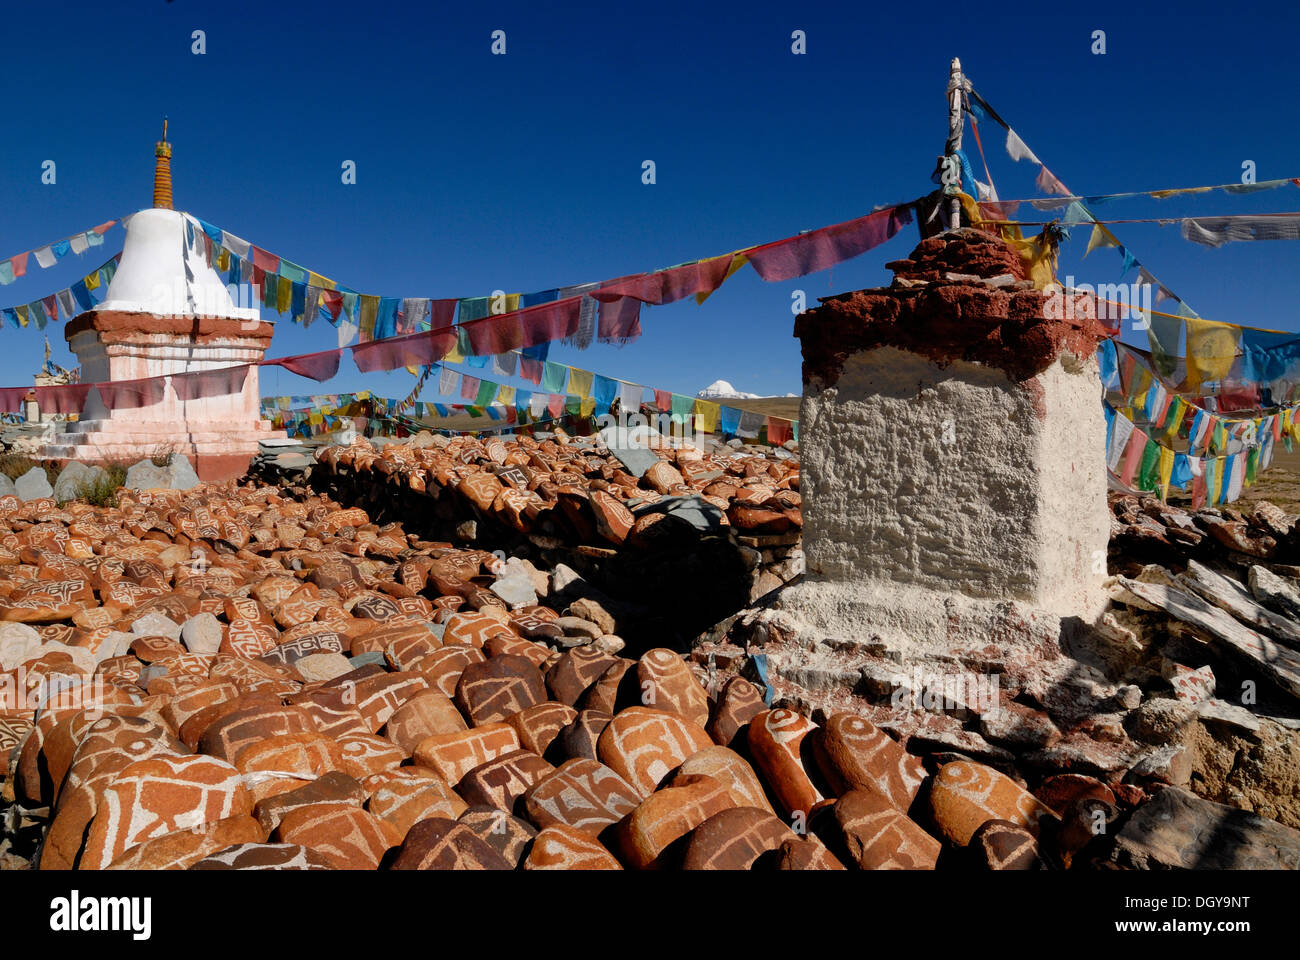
[{"x": 219, "y": 432}]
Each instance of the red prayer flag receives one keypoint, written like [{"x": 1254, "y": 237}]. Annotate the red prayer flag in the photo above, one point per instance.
[
  {"x": 266, "y": 261},
  {"x": 413, "y": 350},
  {"x": 824, "y": 248},
  {"x": 132, "y": 394},
  {"x": 220, "y": 382},
  {"x": 314, "y": 366},
  {"x": 69, "y": 398},
  {"x": 778, "y": 431},
  {"x": 19, "y": 263},
  {"x": 11, "y": 399}
]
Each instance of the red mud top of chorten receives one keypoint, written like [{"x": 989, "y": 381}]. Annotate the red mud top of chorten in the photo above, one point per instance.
[{"x": 960, "y": 295}]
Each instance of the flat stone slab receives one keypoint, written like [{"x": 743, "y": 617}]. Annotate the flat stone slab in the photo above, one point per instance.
[{"x": 1178, "y": 830}]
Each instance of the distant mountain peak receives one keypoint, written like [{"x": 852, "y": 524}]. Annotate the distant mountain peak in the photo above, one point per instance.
[{"x": 721, "y": 389}]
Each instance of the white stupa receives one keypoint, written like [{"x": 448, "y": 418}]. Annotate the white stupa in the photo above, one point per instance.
[{"x": 167, "y": 313}]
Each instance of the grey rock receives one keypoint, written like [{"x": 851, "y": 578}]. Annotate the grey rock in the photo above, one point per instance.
[
  {"x": 18, "y": 644},
  {"x": 608, "y": 643},
  {"x": 156, "y": 625},
  {"x": 577, "y": 627},
  {"x": 1228, "y": 714},
  {"x": 361, "y": 659},
  {"x": 33, "y": 485},
  {"x": 1170, "y": 764},
  {"x": 177, "y": 475},
  {"x": 201, "y": 633},
  {"x": 1272, "y": 591},
  {"x": 1177, "y": 830},
  {"x": 7, "y": 486},
  {"x": 322, "y": 666},
  {"x": 693, "y": 510},
  {"x": 73, "y": 480},
  {"x": 516, "y": 590},
  {"x": 629, "y": 449}
]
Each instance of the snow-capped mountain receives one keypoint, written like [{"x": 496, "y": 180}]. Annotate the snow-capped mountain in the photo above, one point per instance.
[{"x": 721, "y": 389}]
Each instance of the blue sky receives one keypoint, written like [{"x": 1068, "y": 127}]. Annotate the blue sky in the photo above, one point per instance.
[{"x": 523, "y": 172}]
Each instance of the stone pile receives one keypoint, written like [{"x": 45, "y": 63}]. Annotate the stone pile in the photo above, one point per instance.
[
  {"x": 229, "y": 678},
  {"x": 718, "y": 526}
]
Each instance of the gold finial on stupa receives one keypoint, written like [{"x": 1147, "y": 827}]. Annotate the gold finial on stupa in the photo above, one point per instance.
[{"x": 162, "y": 172}]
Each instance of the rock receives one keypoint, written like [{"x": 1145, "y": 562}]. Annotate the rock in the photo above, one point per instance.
[
  {"x": 333, "y": 787},
  {"x": 562, "y": 848},
  {"x": 316, "y": 667},
  {"x": 854, "y": 755},
  {"x": 73, "y": 479},
  {"x": 806, "y": 853},
  {"x": 33, "y": 485},
  {"x": 1060, "y": 792},
  {"x": 666, "y": 682},
  {"x": 739, "y": 702},
  {"x": 179, "y": 793},
  {"x": 729, "y": 768},
  {"x": 1002, "y": 845},
  {"x": 177, "y": 475},
  {"x": 156, "y": 625},
  {"x": 18, "y": 644},
  {"x": 452, "y": 755},
  {"x": 516, "y": 591},
  {"x": 264, "y": 856},
  {"x": 879, "y": 836},
  {"x": 582, "y": 794},
  {"x": 426, "y": 714},
  {"x": 643, "y": 745},
  {"x": 668, "y": 814},
  {"x": 1279, "y": 663},
  {"x": 183, "y": 849},
  {"x": 733, "y": 839},
  {"x": 965, "y": 796},
  {"x": 775, "y": 738},
  {"x": 490, "y": 691},
  {"x": 1180, "y": 831},
  {"x": 507, "y": 835},
  {"x": 1274, "y": 592},
  {"x": 443, "y": 844},
  {"x": 538, "y": 726},
  {"x": 579, "y": 739},
  {"x": 349, "y": 838},
  {"x": 501, "y": 781},
  {"x": 201, "y": 633},
  {"x": 404, "y": 802}
]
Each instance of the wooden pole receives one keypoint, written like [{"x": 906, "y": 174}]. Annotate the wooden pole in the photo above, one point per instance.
[{"x": 957, "y": 86}]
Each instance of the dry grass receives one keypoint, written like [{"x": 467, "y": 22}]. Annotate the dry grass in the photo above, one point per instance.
[{"x": 14, "y": 465}]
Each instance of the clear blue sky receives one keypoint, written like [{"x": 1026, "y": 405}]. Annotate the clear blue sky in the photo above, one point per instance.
[{"x": 523, "y": 172}]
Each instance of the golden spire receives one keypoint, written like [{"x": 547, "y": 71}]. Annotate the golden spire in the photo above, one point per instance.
[{"x": 162, "y": 172}]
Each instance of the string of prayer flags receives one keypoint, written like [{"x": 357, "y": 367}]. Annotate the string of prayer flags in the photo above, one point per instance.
[{"x": 47, "y": 256}]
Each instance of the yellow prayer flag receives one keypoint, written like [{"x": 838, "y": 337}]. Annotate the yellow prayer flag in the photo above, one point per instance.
[
  {"x": 91, "y": 280},
  {"x": 580, "y": 382},
  {"x": 22, "y": 315},
  {"x": 708, "y": 415},
  {"x": 738, "y": 260},
  {"x": 1166, "y": 471},
  {"x": 587, "y": 406},
  {"x": 283, "y": 295},
  {"x": 454, "y": 355},
  {"x": 506, "y": 396},
  {"x": 223, "y": 259},
  {"x": 1101, "y": 237},
  {"x": 1165, "y": 194},
  {"x": 1211, "y": 349},
  {"x": 325, "y": 283}
]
